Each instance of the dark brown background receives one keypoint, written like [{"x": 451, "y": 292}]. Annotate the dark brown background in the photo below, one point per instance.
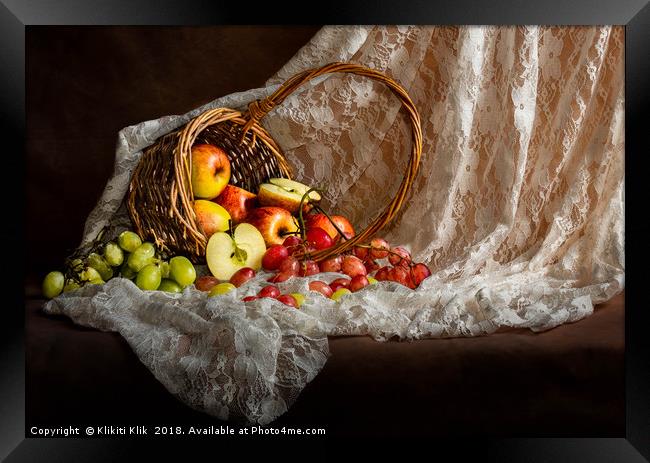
[{"x": 83, "y": 86}]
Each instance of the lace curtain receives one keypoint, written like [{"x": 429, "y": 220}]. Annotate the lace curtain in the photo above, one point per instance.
[{"x": 518, "y": 207}]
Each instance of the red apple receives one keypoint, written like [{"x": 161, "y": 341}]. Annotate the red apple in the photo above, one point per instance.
[
  {"x": 269, "y": 291},
  {"x": 205, "y": 283},
  {"x": 241, "y": 276},
  {"x": 237, "y": 201},
  {"x": 274, "y": 223},
  {"x": 353, "y": 266},
  {"x": 358, "y": 282},
  {"x": 274, "y": 256},
  {"x": 210, "y": 171},
  {"x": 320, "y": 220},
  {"x": 321, "y": 287}
]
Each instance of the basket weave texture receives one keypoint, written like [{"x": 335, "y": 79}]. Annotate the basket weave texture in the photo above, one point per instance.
[{"x": 160, "y": 193}]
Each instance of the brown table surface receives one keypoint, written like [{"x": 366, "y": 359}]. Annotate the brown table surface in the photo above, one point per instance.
[{"x": 568, "y": 381}]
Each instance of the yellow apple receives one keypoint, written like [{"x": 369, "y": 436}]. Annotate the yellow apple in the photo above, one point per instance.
[
  {"x": 210, "y": 171},
  {"x": 210, "y": 217},
  {"x": 226, "y": 254},
  {"x": 285, "y": 193}
]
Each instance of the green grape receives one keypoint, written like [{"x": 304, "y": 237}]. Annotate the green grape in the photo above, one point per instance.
[
  {"x": 143, "y": 255},
  {"x": 98, "y": 263},
  {"x": 182, "y": 270},
  {"x": 96, "y": 281},
  {"x": 89, "y": 273},
  {"x": 70, "y": 285},
  {"x": 148, "y": 278},
  {"x": 169, "y": 286},
  {"x": 77, "y": 265},
  {"x": 127, "y": 272},
  {"x": 113, "y": 254},
  {"x": 129, "y": 241},
  {"x": 221, "y": 288},
  {"x": 164, "y": 269},
  {"x": 53, "y": 284}
]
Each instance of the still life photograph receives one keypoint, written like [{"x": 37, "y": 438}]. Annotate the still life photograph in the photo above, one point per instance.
[{"x": 369, "y": 230}]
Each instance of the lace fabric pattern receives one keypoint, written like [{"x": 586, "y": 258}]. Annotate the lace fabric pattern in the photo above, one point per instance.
[{"x": 517, "y": 209}]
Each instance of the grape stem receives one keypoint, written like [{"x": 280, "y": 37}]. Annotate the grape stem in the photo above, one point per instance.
[
  {"x": 367, "y": 246},
  {"x": 301, "y": 223},
  {"x": 338, "y": 230}
]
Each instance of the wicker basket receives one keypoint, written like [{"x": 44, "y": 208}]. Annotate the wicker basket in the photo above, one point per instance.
[{"x": 160, "y": 193}]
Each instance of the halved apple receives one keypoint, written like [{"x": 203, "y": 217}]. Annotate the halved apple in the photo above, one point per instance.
[
  {"x": 226, "y": 254},
  {"x": 285, "y": 193}
]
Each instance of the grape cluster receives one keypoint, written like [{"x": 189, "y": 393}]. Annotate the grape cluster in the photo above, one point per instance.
[
  {"x": 127, "y": 258},
  {"x": 291, "y": 259}
]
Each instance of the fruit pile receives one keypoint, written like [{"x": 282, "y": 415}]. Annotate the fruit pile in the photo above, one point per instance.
[
  {"x": 128, "y": 258},
  {"x": 277, "y": 230}
]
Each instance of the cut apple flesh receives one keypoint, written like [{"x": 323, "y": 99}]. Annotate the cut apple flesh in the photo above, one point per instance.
[
  {"x": 225, "y": 254},
  {"x": 294, "y": 187}
]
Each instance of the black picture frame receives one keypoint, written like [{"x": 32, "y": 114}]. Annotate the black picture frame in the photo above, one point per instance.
[{"x": 635, "y": 15}]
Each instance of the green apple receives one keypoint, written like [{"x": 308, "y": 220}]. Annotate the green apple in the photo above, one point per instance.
[{"x": 226, "y": 254}]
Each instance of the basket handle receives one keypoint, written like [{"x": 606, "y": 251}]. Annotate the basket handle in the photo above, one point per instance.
[{"x": 259, "y": 108}]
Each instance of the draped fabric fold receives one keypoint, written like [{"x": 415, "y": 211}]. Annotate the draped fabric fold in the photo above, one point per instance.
[{"x": 518, "y": 207}]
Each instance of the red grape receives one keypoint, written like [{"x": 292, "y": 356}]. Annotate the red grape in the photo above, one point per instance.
[
  {"x": 379, "y": 249},
  {"x": 340, "y": 283},
  {"x": 319, "y": 238},
  {"x": 360, "y": 252},
  {"x": 308, "y": 267},
  {"x": 321, "y": 287},
  {"x": 205, "y": 283},
  {"x": 400, "y": 274},
  {"x": 280, "y": 277},
  {"x": 292, "y": 243},
  {"x": 290, "y": 265},
  {"x": 274, "y": 256},
  {"x": 358, "y": 282},
  {"x": 241, "y": 276},
  {"x": 288, "y": 299},
  {"x": 382, "y": 273},
  {"x": 404, "y": 257},
  {"x": 331, "y": 264},
  {"x": 371, "y": 266},
  {"x": 250, "y": 298},
  {"x": 420, "y": 272},
  {"x": 353, "y": 266},
  {"x": 269, "y": 291}
]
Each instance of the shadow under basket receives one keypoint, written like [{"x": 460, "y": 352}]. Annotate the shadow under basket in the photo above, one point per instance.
[{"x": 160, "y": 195}]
